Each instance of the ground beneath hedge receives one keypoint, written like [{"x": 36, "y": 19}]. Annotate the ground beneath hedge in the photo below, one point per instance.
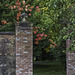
[{"x": 48, "y": 68}]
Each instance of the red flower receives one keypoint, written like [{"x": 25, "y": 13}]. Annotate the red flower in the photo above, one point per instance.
[
  {"x": 17, "y": 22},
  {"x": 20, "y": 8},
  {"x": 38, "y": 27},
  {"x": 14, "y": 6},
  {"x": 11, "y": 7},
  {"x": 38, "y": 35},
  {"x": 5, "y": 22},
  {"x": 34, "y": 32},
  {"x": 16, "y": 3},
  {"x": 30, "y": 10},
  {"x": 38, "y": 10},
  {"x": 29, "y": 14},
  {"x": 39, "y": 38},
  {"x": 6, "y": 4},
  {"x": 19, "y": 4},
  {"x": 37, "y": 30},
  {"x": 41, "y": 35},
  {"x": 36, "y": 39},
  {"x": 49, "y": 40},
  {"x": 37, "y": 7},
  {"x": 51, "y": 45},
  {"x": 36, "y": 42},
  {"x": 17, "y": 18},
  {"x": 45, "y": 35}
]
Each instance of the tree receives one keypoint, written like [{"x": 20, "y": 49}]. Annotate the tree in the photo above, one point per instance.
[{"x": 56, "y": 18}]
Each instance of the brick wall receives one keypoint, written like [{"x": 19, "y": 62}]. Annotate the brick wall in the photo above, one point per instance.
[
  {"x": 24, "y": 47},
  {"x": 16, "y": 50}
]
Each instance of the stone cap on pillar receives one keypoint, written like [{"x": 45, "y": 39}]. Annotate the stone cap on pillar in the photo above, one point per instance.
[{"x": 24, "y": 24}]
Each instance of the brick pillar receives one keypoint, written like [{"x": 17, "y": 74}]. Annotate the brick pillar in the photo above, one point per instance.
[
  {"x": 70, "y": 59},
  {"x": 24, "y": 47}
]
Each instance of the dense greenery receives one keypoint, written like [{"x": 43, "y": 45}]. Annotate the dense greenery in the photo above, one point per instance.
[
  {"x": 57, "y": 17},
  {"x": 10, "y": 12}
]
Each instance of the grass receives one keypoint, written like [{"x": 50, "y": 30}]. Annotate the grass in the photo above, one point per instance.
[{"x": 49, "y": 69}]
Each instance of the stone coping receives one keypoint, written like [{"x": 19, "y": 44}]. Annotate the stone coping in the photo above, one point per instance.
[{"x": 25, "y": 24}]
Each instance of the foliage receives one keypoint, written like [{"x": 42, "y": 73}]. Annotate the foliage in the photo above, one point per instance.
[
  {"x": 11, "y": 11},
  {"x": 59, "y": 53},
  {"x": 60, "y": 19},
  {"x": 56, "y": 18},
  {"x": 42, "y": 41}
]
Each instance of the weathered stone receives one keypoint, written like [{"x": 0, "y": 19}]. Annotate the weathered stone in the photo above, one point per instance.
[{"x": 7, "y": 54}]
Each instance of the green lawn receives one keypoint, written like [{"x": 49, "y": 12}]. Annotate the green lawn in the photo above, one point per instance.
[{"x": 49, "y": 69}]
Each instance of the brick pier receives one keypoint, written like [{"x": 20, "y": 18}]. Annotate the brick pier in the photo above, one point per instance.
[{"x": 24, "y": 47}]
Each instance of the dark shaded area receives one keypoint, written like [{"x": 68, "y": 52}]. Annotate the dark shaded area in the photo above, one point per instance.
[{"x": 50, "y": 67}]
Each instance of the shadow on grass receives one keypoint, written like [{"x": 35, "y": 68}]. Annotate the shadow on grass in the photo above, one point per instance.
[{"x": 49, "y": 69}]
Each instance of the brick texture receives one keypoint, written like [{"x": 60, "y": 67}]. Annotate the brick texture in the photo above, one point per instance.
[{"x": 24, "y": 47}]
